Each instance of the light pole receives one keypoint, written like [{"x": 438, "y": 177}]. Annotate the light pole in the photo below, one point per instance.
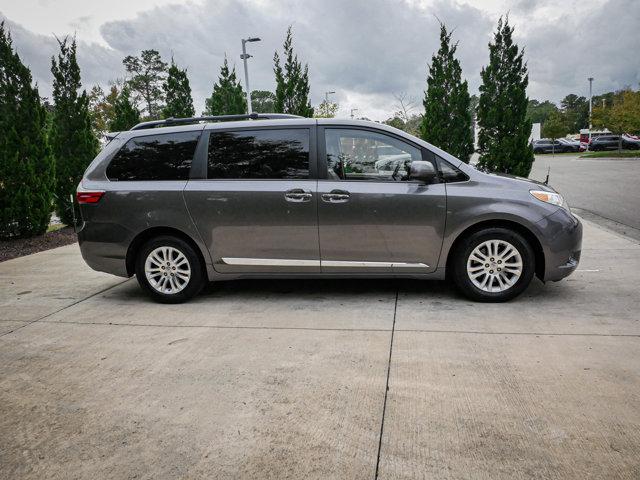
[
  {"x": 244, "y": 58},
  {"x": 590, "y": 96},
  {"x": 353, "y": 110}
]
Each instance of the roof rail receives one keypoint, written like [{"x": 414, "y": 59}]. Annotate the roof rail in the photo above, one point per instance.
[{"x": 215, "y": 118}]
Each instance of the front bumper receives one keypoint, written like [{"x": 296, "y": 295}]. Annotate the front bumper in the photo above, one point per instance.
[{"x": 561, "y": 235}]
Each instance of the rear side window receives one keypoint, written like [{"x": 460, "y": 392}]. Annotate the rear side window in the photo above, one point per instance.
[
  {"x": 155, "y": 157},
  {"x": 259, "y": 154}
]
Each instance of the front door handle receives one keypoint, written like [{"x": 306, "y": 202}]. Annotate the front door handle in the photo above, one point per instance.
[
  {"x": 297, "y": 195},
  {"x": 336, "y": 196}
]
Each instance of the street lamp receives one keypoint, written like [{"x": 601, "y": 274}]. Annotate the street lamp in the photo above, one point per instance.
[
  {"x": 590, "y": 91},
  {"x": 326, "y": 96},
  {"x": 244, "y": 58},
  {"x": 352, "y": 111}
]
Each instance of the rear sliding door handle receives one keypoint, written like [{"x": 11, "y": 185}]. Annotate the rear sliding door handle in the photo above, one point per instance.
[
  {"x": 336, "y": 196},
  {"x": 297, "y": 195}
]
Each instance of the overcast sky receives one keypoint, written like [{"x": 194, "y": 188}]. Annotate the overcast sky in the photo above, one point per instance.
[{"x": 364, "y": 50}]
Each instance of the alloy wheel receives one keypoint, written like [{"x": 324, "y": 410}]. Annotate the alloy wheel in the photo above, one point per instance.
[
  {"x": 167, "y": 270},
  {"x": 494, "y": 266}
]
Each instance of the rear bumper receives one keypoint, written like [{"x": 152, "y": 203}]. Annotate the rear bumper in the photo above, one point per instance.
[
  {"x": 561, "y": 235},
  {"x": 104, "y": 247}
]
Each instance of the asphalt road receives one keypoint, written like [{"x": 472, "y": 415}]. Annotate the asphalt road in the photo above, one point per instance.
[{"x": 605, "y": 190}]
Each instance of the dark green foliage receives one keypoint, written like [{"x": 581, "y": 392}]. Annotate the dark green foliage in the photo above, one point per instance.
[
  {"x": 26, "y": 167},
  {"x": 292, "y": 83},
  {"x": 125, "y": 113},
  {"x": 576, "y": 111},
  {"x": 503, "y": 140},
  {"x": 262, "y": 101},
  {"x": 73, "y": 143},
  {"x": 538, "y": 112},
  {"x": 177, "y": 91},
  {"x": 147, "y": 73},
  {"x": 228, "y": 97},
  {"x": 447, "y": 122},
  {"x": 555, "y": 127}
]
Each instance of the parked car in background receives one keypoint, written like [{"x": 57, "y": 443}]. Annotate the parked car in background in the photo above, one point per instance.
[
  {"x": 613, "y": 142},
  {"x": 569, "y": 145},
  {"x": 180, "y": 202},
  {"x": 545, "y": 145}
]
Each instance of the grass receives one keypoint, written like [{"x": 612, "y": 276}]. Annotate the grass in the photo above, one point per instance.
[{"x": 612, "y": 154}]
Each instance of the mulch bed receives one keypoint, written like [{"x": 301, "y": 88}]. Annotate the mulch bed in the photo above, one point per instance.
[{"x": 26, "y": 246}]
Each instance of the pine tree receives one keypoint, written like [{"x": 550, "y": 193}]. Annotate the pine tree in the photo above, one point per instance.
[
  {"x": 125, "y": 113},
  {"x": 228, "y": 97},
  {"x": 292, "y": 83},
  {"x": 177, "y": 91},
  {"x": 147, "y": 73},
  {"x": 502, "y": 112},
  {"x": 447, "y": 122},
  {"x": 26, "y": 166},
  {"x": 73, "y": 142}
]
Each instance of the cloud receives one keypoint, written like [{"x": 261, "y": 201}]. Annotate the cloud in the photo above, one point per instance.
[{"x": 365, "y": 50}]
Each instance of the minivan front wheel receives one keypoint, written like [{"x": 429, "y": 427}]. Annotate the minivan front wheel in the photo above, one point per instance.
[
  {"x": 169, "y": 270},
  {"x": 493, "y": 265}
]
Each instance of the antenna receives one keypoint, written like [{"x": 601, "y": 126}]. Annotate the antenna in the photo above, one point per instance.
[{"x": 546, "y": 180}]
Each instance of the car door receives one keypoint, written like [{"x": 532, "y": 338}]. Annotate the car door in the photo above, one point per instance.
[
  {"x": 371, "y": 217},
  {"x": 255, "y": 203}
]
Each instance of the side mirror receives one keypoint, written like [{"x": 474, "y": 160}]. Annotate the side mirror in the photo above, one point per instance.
[{"x": 421, "y": 170}]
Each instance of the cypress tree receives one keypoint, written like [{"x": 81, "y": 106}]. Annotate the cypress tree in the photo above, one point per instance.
[
  {"x": 292, "y": 83},
  {"x": 26, "y": 166},
  {"x": 502, "y": 112},
  {"x": 125, "y": 113},
  {"x": 73, "y": 142},
  {"x": 447, "y": 122},
  {"x": 228, "y": 97},
  {"x": 177, "y": 90}
]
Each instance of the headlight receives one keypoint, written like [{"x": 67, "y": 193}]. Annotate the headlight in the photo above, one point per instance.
[{"x": 549, "y": 197}]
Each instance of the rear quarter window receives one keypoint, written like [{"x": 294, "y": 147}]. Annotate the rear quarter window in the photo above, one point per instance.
[{"x": 154, "y": 157}]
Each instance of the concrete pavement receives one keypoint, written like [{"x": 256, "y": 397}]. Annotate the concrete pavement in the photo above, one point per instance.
[{"x": 287, "y": 379}]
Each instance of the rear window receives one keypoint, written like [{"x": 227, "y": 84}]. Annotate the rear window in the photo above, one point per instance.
[
  {"x": 259, "y": 154},
  {"x": 155, "y": 157}
]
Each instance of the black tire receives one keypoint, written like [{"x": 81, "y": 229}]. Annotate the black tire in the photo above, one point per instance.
[
  {"x": 466, "y": 247},
  {"x": 197, "y": 272}
]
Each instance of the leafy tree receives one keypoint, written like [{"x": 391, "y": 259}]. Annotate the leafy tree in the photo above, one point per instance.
[
  {"x": 622, "y": 117},
  {"x": 555, "y": 127},
  {"x": 538, "y": 112},
  {"x": 125, "y": 113},
  {"x": 73, "y": 142},
  {"x": 412, "y": 125},
  {"x": 263, "y": 101},
  {"x": 177, "y": 90},
  {"x": 576, "y": 111},
  {"x": 147, "y": 73},
  {"x": 503, "y": 139},
  {"x": 228, "y": 97},
  {"x": 101, "y": 108},
  {"x": 26, "y": 166},
  {"x": 292, "y": 82},
  {"x": 447, "y": 122},
  {"x": 326, "y": 109}
]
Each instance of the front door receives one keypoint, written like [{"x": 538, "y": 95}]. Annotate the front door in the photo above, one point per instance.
[
  {"x": 257, "y": 208},
  {"x": 371, "y": 217}
]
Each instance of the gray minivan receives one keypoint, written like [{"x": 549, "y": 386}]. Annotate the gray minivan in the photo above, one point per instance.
[{"x": 181, "y": 202}]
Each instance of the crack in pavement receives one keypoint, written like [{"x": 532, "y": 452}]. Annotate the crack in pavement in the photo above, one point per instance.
[{"x": 63, "y": 308}]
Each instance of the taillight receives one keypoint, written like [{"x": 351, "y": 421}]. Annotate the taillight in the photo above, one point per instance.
[{"x": 89, "y": 197}]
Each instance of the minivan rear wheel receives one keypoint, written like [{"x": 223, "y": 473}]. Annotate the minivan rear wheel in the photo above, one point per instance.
[
  {"x": 493, "y": 265},
  {"x": 169, "y": 270}
]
